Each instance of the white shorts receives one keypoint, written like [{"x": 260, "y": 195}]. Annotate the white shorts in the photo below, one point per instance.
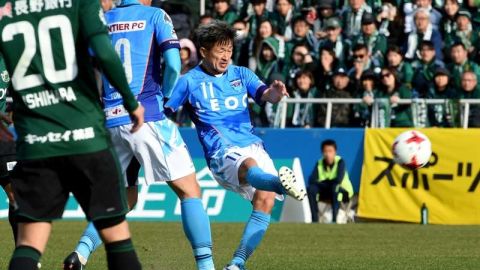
[
  {"x": 224, "y": 166},
  {"x": 158, "y": 147}
]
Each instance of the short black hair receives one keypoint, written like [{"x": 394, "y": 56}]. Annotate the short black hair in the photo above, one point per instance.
[
  {"x": 216, "y": 32},
  {"x": 396, "y": 49},
  {"x": 428, "y": 44},
  {"x": 458, "y": 43},
  {"x": 359, "y": 46},
  {"x": 329, "y": 142}
]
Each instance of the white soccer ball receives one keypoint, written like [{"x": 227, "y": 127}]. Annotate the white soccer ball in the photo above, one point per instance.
[{"x": 412, "y": 149}]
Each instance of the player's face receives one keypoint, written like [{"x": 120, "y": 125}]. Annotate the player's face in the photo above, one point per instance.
[
  {"x": 329, "y": 154},
  {"x": 218, "y": 58}
]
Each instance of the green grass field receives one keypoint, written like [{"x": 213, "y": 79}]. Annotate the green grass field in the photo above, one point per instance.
[{"x": 286, "y": 246}]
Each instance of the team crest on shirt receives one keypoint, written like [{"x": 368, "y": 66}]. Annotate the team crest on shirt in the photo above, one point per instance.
[
  {"x": 236, "y": 84},
  {"x": 5, "y": 76}
]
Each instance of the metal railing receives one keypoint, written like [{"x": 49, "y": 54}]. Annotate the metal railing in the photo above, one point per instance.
[{"x": 282, "y": 109}]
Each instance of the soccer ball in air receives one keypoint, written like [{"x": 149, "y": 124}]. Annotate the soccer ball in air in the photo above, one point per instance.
[{"x": 412, "y": 149}]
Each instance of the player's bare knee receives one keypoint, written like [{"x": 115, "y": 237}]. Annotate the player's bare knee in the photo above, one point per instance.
[
  {"x": 112, "y": 233},
  {"x": 264, "y": 201},
  {"x": 186, "y": 187}
]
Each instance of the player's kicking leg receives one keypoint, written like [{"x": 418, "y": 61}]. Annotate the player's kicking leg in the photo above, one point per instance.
[{"x": 250, "y": 172}]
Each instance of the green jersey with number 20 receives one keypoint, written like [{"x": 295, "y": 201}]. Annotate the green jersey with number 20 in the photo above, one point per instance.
[{"x": 57, "y": 108}]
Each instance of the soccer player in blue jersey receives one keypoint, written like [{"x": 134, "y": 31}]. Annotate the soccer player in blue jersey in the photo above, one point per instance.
[
  {"x": 142, "y": 35},
  {"x": 216, "y": 94}
]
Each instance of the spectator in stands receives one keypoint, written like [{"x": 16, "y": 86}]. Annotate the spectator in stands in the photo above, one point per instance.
[
  {"x": 448, "y": 23},
  {"x": 341, "y": 113},
  {"x": 325, "y": 11},
  {"x": 404, "y": 69},
  {"x": 434, "y": 15},
  {"x": 375, "y": 42},
  {"x": 223, "y": 11},
  {"x": 303, "y": 114},
  {"x": 363, "y": 112},
  {"x": 461, "y": 63},
  {"x": 301, "y": 59},
  {"x": 329, "y": 181},
  {"x": 282, "y": 16},
  {"x": 302, "y": 34},
  {"x": 361, "y": 63},
  {"x": 260, "y": 13},
  {"x": 424, "y": 68},
  {"x": 393, "y": 90},
  {"x": 334, "y": 40},
  {"x": 249, "y": 51},
  {"x": 471, "y": 90},
  {"x": 268, "y": 61},
  {"x": 442, "y": 115},
  {"x": 241, "y": 43},
  {"x": 391, "y": 20},
  {"x": 352, "y": 17},
  {"x": 464, "y": 33},
  {"x": 423, "y": 31},
  {"x": 328, "y": 63},
  {"x": 188, "y": 55}
]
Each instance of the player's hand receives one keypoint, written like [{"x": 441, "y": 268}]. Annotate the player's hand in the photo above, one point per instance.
[
  {"x": 276, "y": 92},
  {"x": 5, "y": 134},
  {"x": 137, "y": 118}
]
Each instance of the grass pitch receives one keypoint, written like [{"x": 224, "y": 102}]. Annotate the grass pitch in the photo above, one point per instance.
[{"x": 286, "y": 246}]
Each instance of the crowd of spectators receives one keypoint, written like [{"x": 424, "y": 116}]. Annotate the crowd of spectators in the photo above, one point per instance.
[{"x": 378, "y": 51}]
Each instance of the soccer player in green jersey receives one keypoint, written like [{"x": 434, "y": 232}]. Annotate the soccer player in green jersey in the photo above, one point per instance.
[{"x": 62, "y": 143}]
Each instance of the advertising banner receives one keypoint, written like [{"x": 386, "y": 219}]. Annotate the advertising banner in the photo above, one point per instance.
[{"x": 449, "y": 186}]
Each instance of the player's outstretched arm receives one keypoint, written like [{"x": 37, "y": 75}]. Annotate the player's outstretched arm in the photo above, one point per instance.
[
  {"x": 173, "y": 65},
  {"x": 275, "y": 92},
  {"x": 5, "y": 134},
  {"x": 113, "y": 70}
]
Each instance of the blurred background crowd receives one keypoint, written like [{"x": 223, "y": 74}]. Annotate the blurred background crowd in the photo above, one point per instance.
[{"x": 378, "y": 51}]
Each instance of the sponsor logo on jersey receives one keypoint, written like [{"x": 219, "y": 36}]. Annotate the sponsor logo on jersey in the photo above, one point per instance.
[
  {"x": 115, "y": 112},
  {"x": 122, "y": 27},
  {"x": 5, "y": 76}
]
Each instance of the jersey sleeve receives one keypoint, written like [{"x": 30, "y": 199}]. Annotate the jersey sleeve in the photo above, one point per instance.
[
  {"x": 179, "y": 95},
  {"x": 92, "y": 20},
  {"x": 164, "y": 31},
  {"x": 255, "y": 87}
]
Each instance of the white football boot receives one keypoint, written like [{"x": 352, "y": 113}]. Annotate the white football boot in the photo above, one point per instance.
[{"x": 290, "y": 184}]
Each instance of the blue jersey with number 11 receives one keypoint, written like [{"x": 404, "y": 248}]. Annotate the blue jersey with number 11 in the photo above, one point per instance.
[
  {"x": 139, "y": 34},
  {"x": 218, "y": 106}
]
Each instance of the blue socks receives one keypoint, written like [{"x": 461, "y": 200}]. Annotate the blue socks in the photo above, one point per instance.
[
  {"x": 264, "y": 181},
  {"x": 196, "y": 225},
  {"x": 252, "y": 236},
  {"x": 89, "y": 241}
]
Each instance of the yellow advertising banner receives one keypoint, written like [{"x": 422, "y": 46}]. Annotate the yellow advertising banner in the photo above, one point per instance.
[{"x": 449, "y": 186}]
